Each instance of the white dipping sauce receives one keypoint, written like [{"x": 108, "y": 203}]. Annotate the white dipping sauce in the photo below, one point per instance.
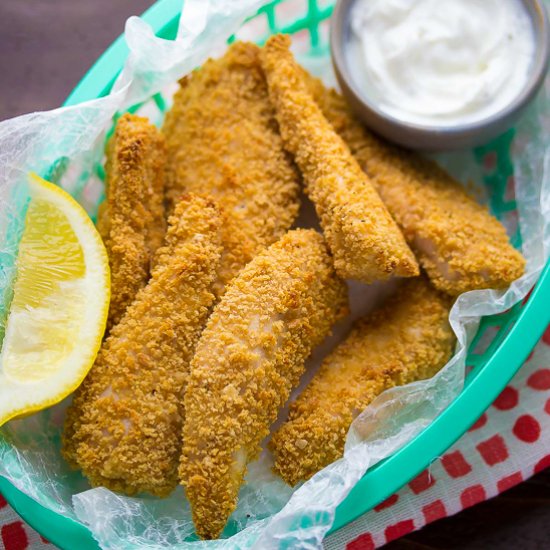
[{"x": 441, "y": 62}]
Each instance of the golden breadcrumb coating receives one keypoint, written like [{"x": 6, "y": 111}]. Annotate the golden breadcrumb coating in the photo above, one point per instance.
[
  {"x": 131, "y": 219},
  {"x": 457, "y": 241},
  {"x": 365, "y": 241},
  {"x": 123, "y": 428},
  {"x": 222, "y": 139},
  {"x": 407, "y": 339},
  {"x": 250, "y": 356},
  {"x": 103, "y": 224}
]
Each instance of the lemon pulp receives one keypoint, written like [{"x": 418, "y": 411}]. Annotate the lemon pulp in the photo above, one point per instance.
[{"x": 59, "y": 307}]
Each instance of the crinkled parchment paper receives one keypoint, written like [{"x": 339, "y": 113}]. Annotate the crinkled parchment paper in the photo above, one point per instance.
[{"x": 270, "y": 514}]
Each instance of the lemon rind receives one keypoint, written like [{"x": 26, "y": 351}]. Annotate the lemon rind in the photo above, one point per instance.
[{"x": 15, "y": 397}]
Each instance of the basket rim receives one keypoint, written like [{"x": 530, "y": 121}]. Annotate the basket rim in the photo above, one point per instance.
[{"x": 387, "y": 476}]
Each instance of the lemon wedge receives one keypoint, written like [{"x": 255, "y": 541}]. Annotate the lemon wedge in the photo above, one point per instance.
[{"x": 60, "y": 303}]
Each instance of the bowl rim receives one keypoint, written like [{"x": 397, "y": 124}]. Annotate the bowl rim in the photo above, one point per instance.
[
  {"x": 387, "y": 476},
  {"x": 339, "y": 28}
]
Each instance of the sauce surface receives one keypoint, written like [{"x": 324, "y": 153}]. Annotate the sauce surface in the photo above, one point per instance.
[{"x": 441, "y": 62}]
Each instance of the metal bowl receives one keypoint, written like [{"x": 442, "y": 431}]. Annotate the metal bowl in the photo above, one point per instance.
[{"x": 432, "y": 137}]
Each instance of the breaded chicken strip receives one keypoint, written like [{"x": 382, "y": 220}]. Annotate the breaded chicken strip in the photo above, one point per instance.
[
  {"x": 407, "y": 339},
  {"x": 250, "y": 356},
  {"x": 457, "y": 241},
  {"x": 131, "y": 219},
  {"x": 124, "y": 426},
  {"x": 365, "y": 241},
  {"x": 222, "y": 139}
]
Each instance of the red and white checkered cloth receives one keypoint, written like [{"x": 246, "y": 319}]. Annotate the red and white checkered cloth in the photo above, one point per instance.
[
  {"x": 507, "y": 445},
  {"x": 17, "y": 535}
]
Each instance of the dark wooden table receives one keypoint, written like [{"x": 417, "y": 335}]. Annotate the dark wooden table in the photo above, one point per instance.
[{"x": 45, "y": 48}]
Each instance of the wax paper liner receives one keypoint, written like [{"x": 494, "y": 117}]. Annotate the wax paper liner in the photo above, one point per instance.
[{"x": 66, "y": 144}]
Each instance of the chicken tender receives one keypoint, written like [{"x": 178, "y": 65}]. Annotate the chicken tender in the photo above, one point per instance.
[
  {"x": 366, "y": 243},
  {"x": 407, "y": 339},
  {"x": 131, "y": 220},
  {"x": 222, "y": 139},
  {"x": 248, "y": 359},
  {"x": 456, "y": 240},
  {"x": 123, "y": 428}
]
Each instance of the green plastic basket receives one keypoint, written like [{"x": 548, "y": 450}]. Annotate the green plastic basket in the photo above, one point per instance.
[{"x": 511, "y": 335}]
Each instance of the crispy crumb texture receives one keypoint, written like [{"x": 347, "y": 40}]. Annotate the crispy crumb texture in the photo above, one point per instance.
[
  {"x": 457, "y": 241},
  {"x": 131, "y": 219},
  {"x": 407, "y": 339},
  {"x": 222, "y": 139},
  {"x": 248, "y": 359},
  {"x": 123, "y": 428},
  {"x": 366, "y": 243}
]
